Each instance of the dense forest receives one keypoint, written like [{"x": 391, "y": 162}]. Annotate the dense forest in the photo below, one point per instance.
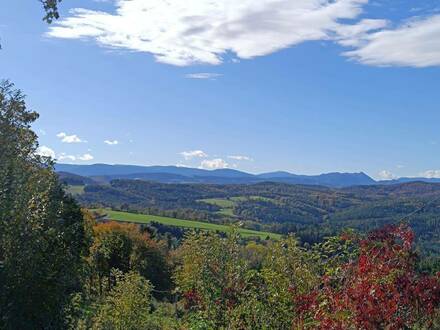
[{"x": 60, "y": 269}]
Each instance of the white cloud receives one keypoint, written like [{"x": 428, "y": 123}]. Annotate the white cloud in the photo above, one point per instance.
[
  {"x": 386, "y": 175},
  {"x": 353, "y": 35},
  {"x": 45, "y": 151},
  {"x": 69, "y": 138},
  {"x": 181, "y": 165},
  {"x": 203, "y": 75},
  {"x": 111, "y": 142},
  {"x": 48, "y": 152},
  {"x": 193, "y": 154},
  {"x": 203, "y": 31},
  {"x": 213, "y": 164},
  {"x": 86, "y": 157},
  {"x": 240, "y": 157},
  {"x": 431, "y": 174},
  {"x": 64, "y": 156},
  {"x": 414, "y": 44}
]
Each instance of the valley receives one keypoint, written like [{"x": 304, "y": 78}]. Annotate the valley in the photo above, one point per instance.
[{"x": 310, "y": 212}]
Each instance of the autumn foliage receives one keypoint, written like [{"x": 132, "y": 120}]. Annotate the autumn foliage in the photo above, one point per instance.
[
  {"x": 347, "y": 282},
  {"x": 378, "y": 290},
  {"x": 125, "y": 248}
]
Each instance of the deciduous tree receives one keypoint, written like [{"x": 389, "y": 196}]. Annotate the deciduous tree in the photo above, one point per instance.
[{"x": 41, "y": 229}]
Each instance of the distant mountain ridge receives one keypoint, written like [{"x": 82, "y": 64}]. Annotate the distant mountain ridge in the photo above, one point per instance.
[{"x": 173, "y": 174}]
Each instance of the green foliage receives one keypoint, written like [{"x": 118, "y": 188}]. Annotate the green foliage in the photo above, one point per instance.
[
  {"x": 267, "y": 301},
  {"x": 127, "y": 306},
  {"x": 222, "y": 291},
  {"x": 211, "y": 275},
  {"x": 124, "y": 248},
  {"x": 42, "y": 235},
  {"x": 334, "y": 252}
]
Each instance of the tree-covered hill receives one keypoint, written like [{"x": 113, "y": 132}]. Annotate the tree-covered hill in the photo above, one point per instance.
[{"x": 312, "y": 212}]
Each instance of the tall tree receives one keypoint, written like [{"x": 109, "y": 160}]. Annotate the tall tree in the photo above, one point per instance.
[{"x": 41, "y": 229}]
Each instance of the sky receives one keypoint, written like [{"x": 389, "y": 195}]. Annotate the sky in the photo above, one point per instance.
[{"x": 305, "y": 86}]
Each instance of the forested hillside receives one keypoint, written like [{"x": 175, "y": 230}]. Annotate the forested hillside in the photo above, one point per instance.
[{"x": 311, "y": 212}]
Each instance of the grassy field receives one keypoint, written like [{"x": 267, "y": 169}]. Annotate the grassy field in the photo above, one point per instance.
[
  {"x": 143, "y": 218},
  {"x": 75, "y": 190},
  {"x": 227, "y": 204},
  {"x": 220, "y": 202}
]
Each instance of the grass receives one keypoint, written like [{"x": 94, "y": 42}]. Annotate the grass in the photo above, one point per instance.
[
  {"x": 143, "y": 218},
  {"x": 220, "y": 202},
  {"x": 75, "y": 190},
  {"x": 253, "y": 198},
  {"x": 227, "y": 205}
]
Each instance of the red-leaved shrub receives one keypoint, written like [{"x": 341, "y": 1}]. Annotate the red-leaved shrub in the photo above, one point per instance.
[{"x": 378, "y": 290}]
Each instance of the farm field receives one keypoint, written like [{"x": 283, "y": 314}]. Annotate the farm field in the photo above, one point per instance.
[
  {"x": 75, "y": 190},
  {"x": 227, "y": 204},
  {"x": 143, "y": 218}
]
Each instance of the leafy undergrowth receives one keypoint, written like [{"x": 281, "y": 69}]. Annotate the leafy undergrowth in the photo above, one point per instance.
[{"x": 347, "y": 282}]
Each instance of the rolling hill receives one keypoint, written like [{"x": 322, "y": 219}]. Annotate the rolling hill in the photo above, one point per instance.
[{"x": 105, "y": 173}]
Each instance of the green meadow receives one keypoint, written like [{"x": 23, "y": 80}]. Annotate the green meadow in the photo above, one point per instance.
[
  {"x": 75, "y": 190},
  {"x": 227, "y": 204},
  {"x": 144, "y": 218}
]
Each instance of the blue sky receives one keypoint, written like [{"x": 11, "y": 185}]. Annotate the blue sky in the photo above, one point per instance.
[{"x": 306, "y": 86}]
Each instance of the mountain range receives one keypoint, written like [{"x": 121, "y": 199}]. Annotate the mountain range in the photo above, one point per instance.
[{"x": 103, "y": 173}]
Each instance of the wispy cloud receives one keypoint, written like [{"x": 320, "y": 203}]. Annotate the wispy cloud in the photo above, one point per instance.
[
  {"x": 111, "y": 142},
  {"x": 203, "y": 75},
  {"x": 65, "y": 138},
  {"x": 193, "y": 154},
  {"x": 213, "y": 164},
  {"x": 200, "y": 31},
  {"x": 431, "y": 174},
  {"x": 203, "y": 32},
  {"x": 64, "y": 156},
  {"x": 414, "y": 44},
  {"x": 86, "y": 157},
  {"x": 240, "y": 157}
]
